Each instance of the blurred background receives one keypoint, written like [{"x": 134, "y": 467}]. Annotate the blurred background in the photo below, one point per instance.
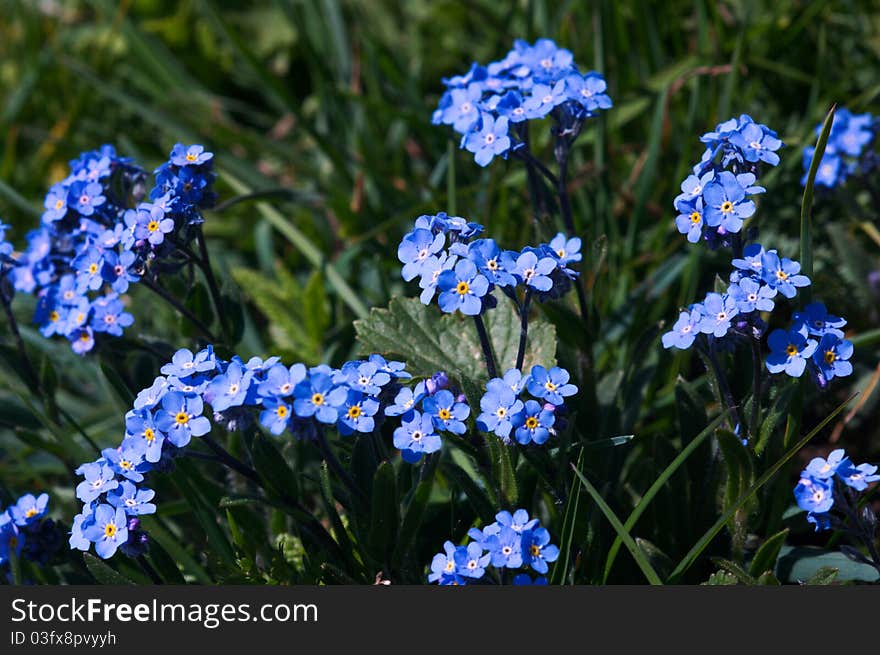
[{"x": 319, "y": 115}]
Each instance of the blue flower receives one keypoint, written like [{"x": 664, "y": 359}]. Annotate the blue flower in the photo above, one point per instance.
[
  {"x": 229, "y": 389},
  {"x": 782, "y": 274},
  {"x": 534, "y": 272},
  {"x": 275, "y": 415},
  {"x": 750, "y": 295},
  {"x": 832, "y": 355},
  {"x": 471, "y": 562},
  {"x": 446, "y": 412},
  {"x": 109, "y": 317},
  {"x": 81, "y": 340},
  {"x": 365, "y": 377},
  {"x": 857, "y": 477},
  {"x": 193, "y": 155},
  {"x": 814, "y": 495},
  {"x": 184, "y": 363},
  {"x": 519, "y": 521},
  {"x": 148, "y": 398},
  {"x": 822, "y": 520},
  {"x": 396, "y": 370},
  {"x": 99, "y": 479},
  {"x": 684, "y": 331},
  {"x": 544, "y": 99},
  {"x": 281, "y": 381},
  {"x": 128, "y": 459},
  {"x": 820, "y": 468},
  {"x": 11, "y": 539},
  {"x": 416, "y": 435},
  {"x": 463, "y": 109},
  {"x": 152, "y": 224},
  {"x": 567, "y": 250},
  {"x": 524, "y": 579},
  {"x": 55, "y": 204},
  {"x": 78, "y": 539},
  {"x": 108, "y": 531},
  {"x": 320, "y": 397},
  {"x": 757, "y": 143},
  {"x": 505, "y": 548},
  {"x": 717, "y": 313},
  {"x": 513, "y": 379},
  {"x": 85, "y": 197},
  {"x": 356, "y": 413},
  {"x": 537, "y": 550},
  {"x": 551, "y": 385},
  {"x": 589, "y": 91},
  {"x": 533, "y": 423},
  {"x": 489, "y": 139},
  {"x": 139, "y": 424},
  {"x": 181, "y": 418},
  {"x": 486, "y": 254},
  {"x": 29, "y": 509},
  {"x": 790, "y": 351},
  {"x": 499, "y": 407},
  {"x": 406, "y": 400},
  {"x": 818, "y": 321},
  {"x": 462, "y": 288},
  {"x": 725, "y": 202},
  {"x": 690, "y": 221},
  {"x": 443, "y": 568},
  {"x": 88, "y": 266},
  {"x": 752, "y": 260},
  {"x": 416, "y": 248},
  {"x": 133, "y": 501},
  {"x": 118, "y": 270}
]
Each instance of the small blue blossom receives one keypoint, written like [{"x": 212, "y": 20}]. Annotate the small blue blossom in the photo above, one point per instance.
[
  {"x": 462, "y": 288},
  {"x": 99, "y": 479},
  {"x": 533, "y": 424},
  {"x": 489, "y": 140},
  {"x": 406, "y": 400},
  {"x": 444, "y": 570},
  {"x": 684, "y": 331},
  {"x": 790, "y": 350},
  {"x": 857, "y": 477},
  {"x": 416, "y": 248},
  {"x": 498, "y": 408},
  {"x": 725, "y": 202},
  {"x": 139, "y": 424},
  {"x": 29, "y": 509},
  {"x": 814, "y": 495},
  {"x": 717, "y": 313},
  {"x": 782, "y": 274},
  {"x": 416, "y": 435},
  {"x": 471, "y": 562},
  {"x": 108, "y": 531},
  {"x": 194, "y": 155},
  {"x": 551, "y": 385},
  {"x": 181, "y": 418},
  {"x": 132, "y": 500},
  {"x": 275, "y": 415},
  {"x": 832, "y": 355},
  {"x": 320, "y": 397},
  {"x": 446, "y": 412},
  {"x": 750, "y": 295},
  {"x": 505, "y": 548},
  {"x": 818, "y": 321},
  {"x": 229, "y": 389},
  {"x": 537, "y": 550},
  {"x": 356, "y": 413},
  {"x": 534, "y": 272}
]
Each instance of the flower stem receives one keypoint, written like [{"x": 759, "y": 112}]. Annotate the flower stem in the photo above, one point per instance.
[
  {"x": 336, "y": 466},
  {"x": 523, "y": 329},
  {"x": 486, "y": 346},
  {"x": 231, "y": 461},
  {"x": 756, "y": 388},
  {"x": 714, "y": 367},
  {"x": 176, "y": 304},
  {"x": 26, "y": 361},
  {"x": 213, "y": 288}
]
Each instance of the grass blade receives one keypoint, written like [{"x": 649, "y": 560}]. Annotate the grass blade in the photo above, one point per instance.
[
  {"x": 712, "y": 532},
  {"x": 655, "y": 488},
  {"x": 636, "y": 552}
]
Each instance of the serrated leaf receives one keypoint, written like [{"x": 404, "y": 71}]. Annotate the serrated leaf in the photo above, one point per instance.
[
  {"x": 431, "y": 341},
  {"x": 721, "y": 578},
  {"x": 824, "y": 575}
]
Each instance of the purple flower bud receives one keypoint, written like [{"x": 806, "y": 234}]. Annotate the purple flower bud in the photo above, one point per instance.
[{"x": 437, "y": 382}]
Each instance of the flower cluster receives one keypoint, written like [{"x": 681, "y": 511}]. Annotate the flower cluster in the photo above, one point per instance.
[
  {"x": 26, "y": 533},
  {"x": 849, "y": 150},
  {"x": 534, "y": 420},
  {"x": 716, "y": 199},
  {"x": 491, "y": 105},
  {"x": 7, "y": 263},
  {"x": 97, "y": 236},
  {"x": 296, "y": 399},
  {"x": 813, "y": 341},
  {"x": 462, "y": 271},
  {"x": 815, "y": 491},
  {"x": 513, "y": 541}
]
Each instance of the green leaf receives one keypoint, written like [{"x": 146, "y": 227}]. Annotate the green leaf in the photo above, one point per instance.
[
  {"x": 566, "y": 534},
  {"x": 799, "y": 564},
  {"x": 477, "y": 497},
  {"x": 734, "y": 569},
  {"x": 778, "y": 412},
  {"x": 502, "y": 469},
  {"x": 712, "y": 532},
  {"x": 385, "y": 512},
  {"x": 806, "y": 255},
  {"x": 103, "y": 573},
  {"x": 825, "y": 575},
  {"x": 721, "y": 578},
  {"x": 765, "y": 559},
  {"x": 430, "y": 341},
  {"x": 739, "y": 477},
  {"x": 660, "y": 561},
  {"x": 412, "y": 518},
  {"x": 635, "y": 551},
  {"x": 272, "y": 467}
]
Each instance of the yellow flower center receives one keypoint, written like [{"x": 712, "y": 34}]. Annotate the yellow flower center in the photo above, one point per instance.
[
  {"x": 492, "y": 265},
  {"x": 791, "y": 350},
  {"x": 281, "y": 411},
  {"x": 781, "y": 275},
  {"x": 93, "y": 268},
  {"x": 531, "y": 422},
  {"x": 354, "y": 411},
  {"x": 181, "y": 418},
  {"x": 30, "y": 513},
  {"x": 152, "y": 226},
  {"x": 124, "y": 463},
  {"x": 191, "y": 157},
  {"x": 444, "y": 414},
  {"x": 149, "y": 435},
  {"x": 59, "y": 204},
  {"x": 462, "y": 288},
  {"x": 830, "y": 356},
  {"x": 560, "y": 253},
  {"x": 535, "y": 550},
  {"x": 501, "y": 412},
  {"x": 54, "y": 316},
  {"x": 318, "y": 399},
  {"x": 450, "y": 566},
  {"x": 84, "y": 336},
  {"x": 726, "y": 207},
  {"x": 110, "y": 530},
  {"x": 695, "y": 217},
  {"x": 550, "y": 386}
]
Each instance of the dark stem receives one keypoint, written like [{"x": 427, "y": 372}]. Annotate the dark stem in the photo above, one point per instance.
[
  {"x": 523, "y": 329},
  {"x": 756, "y": 387},
  {"x": 336, "y": 466},
  {"x": 526, "y": 156},
  {"x": 562, "y": 188},
  {"x": 213, "y": 288},
  {"x": 486, "y": 346},
  {"x": 723, "y": 386},
  {"x": 231, "y": 461},
  {"x": 176, "y": 304}
]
